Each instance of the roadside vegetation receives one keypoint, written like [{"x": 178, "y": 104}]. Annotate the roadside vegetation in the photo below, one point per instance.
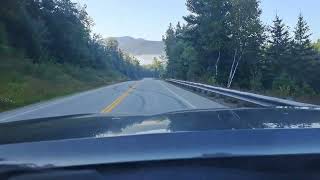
[
  {"x": 47, "y": 49},
  {"x": 157, "y": 67},
  {"x": 224, "y": 42},
  {"x": 23, "y": 82}
]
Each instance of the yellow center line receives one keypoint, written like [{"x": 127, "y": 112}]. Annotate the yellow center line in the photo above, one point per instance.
[{"x": 115, "y": 103}]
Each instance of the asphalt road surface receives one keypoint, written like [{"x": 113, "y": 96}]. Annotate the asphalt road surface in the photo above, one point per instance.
[{"x": 144, "y": 97}]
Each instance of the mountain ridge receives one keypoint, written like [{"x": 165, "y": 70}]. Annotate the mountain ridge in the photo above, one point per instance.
[
  {"x": 144, "y": 50},
  {"x": 140, "y": 46}
]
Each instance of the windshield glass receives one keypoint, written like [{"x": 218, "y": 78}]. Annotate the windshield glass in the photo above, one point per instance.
[
  {"x": 168, "y": 89},
  {"x": 71, "y": 57}
]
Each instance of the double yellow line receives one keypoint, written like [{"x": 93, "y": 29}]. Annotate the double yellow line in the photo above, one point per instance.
[{"x": 115, "y": 103}]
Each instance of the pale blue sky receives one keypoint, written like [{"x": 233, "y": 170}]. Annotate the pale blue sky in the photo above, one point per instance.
[{"x": 149, "y": 19}]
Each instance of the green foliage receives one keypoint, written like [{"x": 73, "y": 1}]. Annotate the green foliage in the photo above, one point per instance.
[
  {"x": 215, "y": 31},
  {"x": 3, "y": 34},
  {"x": 303, "y": 54},
  {"x": 307, "y": 90},
  {"x": 301, "y": 36},
  {"x": 212, "y": 80},
  {"x": 3, "y": 40},
  {"x": 284, "y": 86},
  {"x": 278, "y": 51},
  {"x": 317, "y": 46},
  {"x": 47, "y": 50},
  {"x": 157, "y": 67},
  {"x": 224, "y": 42},
  {"x": 59, "y": 30},
  {"x": 23, "y": 83},
  {"x": 207, "y": 34},
  {"x": 256, "y": 81}
]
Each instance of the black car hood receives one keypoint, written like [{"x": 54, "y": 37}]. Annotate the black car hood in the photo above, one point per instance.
[
  {"x": 203, "y": 134},
  {"x": 99, "y": 125}
]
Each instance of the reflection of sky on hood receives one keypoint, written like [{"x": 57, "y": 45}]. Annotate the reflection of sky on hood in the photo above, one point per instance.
[
  {"x": 145, "y": 127},
  {"x": 218, "y": 120},
  {"x": 292, "y": 126},
  {"x": 299, "y": 107}
]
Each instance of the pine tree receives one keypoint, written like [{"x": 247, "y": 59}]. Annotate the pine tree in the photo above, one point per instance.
[
  {"x": 170, "y": 42},
  {"x": 302, "y": 42},
  {"x": 278, "y": 51},
  {"x": 209, "y": 28},
  {"x": 303, "y": 54}
]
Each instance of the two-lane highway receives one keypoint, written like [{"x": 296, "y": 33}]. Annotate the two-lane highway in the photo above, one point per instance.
[{"x": 144, "y": 97}]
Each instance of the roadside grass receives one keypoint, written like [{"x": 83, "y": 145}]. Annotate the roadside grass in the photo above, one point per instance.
[{"x": 23, "y": 83}]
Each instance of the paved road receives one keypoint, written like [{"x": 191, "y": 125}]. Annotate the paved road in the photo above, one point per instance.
[{"x": 147, "y": 96}]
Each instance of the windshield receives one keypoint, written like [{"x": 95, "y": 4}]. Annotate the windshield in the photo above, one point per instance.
[
  {"x": 70, "y": 57},
  {"x": 168, "y": 89}
]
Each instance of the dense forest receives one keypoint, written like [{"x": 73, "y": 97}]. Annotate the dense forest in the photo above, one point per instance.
[
  {"x": 47, "y": 49},
  {"x": 224, "y": 42},
  {"x": 60, "y": 31}
]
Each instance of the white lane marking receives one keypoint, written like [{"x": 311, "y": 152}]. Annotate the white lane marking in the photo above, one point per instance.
[
  {"x": 179, "y": 97},
  {"x": 47, "y": 104},
  {"x": 26, "y": 112},
  {"x": 58, "y": 101}
]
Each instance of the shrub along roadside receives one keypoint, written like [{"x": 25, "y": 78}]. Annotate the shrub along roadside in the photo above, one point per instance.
[{"x": 22, "y": 82}]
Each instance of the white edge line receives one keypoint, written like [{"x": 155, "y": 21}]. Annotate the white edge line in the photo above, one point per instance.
[
  {"x": 41, "y": 106},
  {"x": 179, "y": 97},
  {"x": 26, "y": 112}
]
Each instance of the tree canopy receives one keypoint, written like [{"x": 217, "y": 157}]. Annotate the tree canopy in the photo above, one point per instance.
[
  {"x": 60, "y": 31},
  {"x": 224, "y": 42}
]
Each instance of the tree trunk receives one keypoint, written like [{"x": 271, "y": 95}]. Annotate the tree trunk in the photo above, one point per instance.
[
  {"x": 233, "y": 63},
  {"x": 234, "y": 71},
  {"x": 217, "y": 63}
]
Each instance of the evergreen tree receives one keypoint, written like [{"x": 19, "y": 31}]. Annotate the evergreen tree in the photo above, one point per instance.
[
  {"x": 304, "y": 56},
  {"x": 302, "y": 43},
  {"x": 207, "y": 32},
  {"x": 278, "y": 52},
  {"x": 302, "y": 51},
  {"x": 170, "y": 43}
]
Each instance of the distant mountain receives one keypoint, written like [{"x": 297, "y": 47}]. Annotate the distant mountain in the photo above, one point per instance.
[
  {"x": 142, "y": 49},
  {"x": 140, "y": 46}
]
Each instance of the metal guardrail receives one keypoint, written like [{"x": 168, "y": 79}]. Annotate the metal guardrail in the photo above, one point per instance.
[{"x": 261, "y": 100}]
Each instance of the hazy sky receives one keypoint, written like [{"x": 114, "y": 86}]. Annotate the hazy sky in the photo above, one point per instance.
[{"x": 149, "y": 19}]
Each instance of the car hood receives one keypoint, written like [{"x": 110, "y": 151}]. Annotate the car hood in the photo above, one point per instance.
[
  {"x": 100, "y": 125},
  {"x": 87, "y": 140}
]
